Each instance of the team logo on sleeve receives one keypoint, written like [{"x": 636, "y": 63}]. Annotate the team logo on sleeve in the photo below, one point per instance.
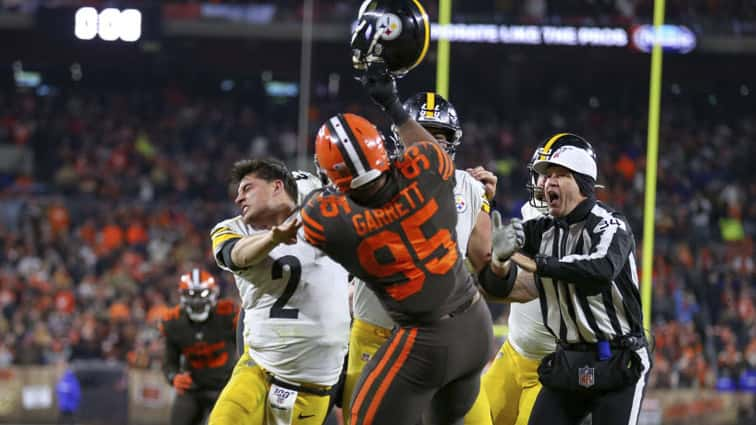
[{"x": 460, "y": 203}]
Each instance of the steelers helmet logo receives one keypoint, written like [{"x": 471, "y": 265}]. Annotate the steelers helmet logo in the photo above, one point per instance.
[
  {"x": 391, "y": 26},
  {"x": 430, "y": 112},
  {"x": 459, "y": 201},
  {"x": 401, "y": 29}
]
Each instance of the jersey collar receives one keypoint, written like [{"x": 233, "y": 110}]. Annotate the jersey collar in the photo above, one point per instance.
[{"x": 580, "y": 211}]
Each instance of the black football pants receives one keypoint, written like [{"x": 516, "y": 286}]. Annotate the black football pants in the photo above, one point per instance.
[{"x": 608, "y": 408}]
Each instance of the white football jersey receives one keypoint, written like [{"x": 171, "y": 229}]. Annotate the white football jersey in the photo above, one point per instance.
[
  {"x": 527, "y": 334},
  {"x": 306, "y": 183},
  {"x": 470, "y": 199},
  {"x": 296, "y": 305}
]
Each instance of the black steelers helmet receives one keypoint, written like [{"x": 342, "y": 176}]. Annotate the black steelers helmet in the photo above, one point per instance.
[
  {"x": 395, "y": 32},
  {"x": 565, "y": 149},
  {"x": 436, "y": 114}
]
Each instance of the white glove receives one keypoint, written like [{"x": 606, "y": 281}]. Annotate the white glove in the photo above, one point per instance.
[{"x": 507, "y": 238}]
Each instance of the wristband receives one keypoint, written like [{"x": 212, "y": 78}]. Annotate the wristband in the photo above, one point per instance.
[{"x": 497, "y": 286}]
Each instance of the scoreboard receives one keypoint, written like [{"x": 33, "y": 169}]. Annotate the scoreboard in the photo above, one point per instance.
[{"x": 125, "y": 25}]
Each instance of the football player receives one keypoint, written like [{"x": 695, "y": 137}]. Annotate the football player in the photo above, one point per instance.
[
  {"x": 199, "y": 346},
  {"x": 392, "y": 225},
  {"x": 296, "y": 324},
  {"x": 372, "y": 325},
  {"x": 306, "y": 183},
  {"x": 511, "y": 383}
]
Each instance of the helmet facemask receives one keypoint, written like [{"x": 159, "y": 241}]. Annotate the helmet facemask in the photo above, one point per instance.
[
  {"x": 537, "y": 197},
  {"x": 198, "y": 294},
  {"x": 198, "y": 303}
]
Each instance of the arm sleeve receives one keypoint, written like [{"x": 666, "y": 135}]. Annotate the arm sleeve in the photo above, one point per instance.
[
  {"x": 497, "y": 286},
  {"x": 439, "y": 161},
  {"x": 533, "y": 231},
  {"x": 223, "y": 239},
  {"x": 312, "y": 231},
  {"x": 171, "y": 360},
  {"x": 611, "y": 244}
]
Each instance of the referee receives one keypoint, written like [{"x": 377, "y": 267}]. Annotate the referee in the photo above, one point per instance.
[{"x": 585, "y": 273}]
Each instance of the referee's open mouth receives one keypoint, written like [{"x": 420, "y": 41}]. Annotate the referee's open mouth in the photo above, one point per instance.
[{"x": 552, "y": 197}]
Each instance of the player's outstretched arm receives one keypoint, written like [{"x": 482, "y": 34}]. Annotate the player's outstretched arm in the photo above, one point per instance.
[{"x": 250, "y": 250}]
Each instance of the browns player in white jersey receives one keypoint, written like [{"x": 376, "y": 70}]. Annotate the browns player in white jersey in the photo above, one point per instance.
[{"x": 296, "y": 323}]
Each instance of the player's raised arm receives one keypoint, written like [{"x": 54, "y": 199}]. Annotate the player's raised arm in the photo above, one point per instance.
[{"x": 381, "y": 86}]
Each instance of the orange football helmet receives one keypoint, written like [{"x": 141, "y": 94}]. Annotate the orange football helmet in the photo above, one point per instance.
[
  {"x": 350, "y": 151},
  {"x": 199, "y": 294}
]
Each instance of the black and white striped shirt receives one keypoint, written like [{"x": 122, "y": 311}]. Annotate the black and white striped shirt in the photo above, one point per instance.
[{"x": 586, "y": 274}]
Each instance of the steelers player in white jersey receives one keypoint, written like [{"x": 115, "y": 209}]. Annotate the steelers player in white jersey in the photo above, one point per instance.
[
  {"x": 511, "y": 383},
  {"x": 372, "y": 326},
  {"x": 306, "y": 182},
  {"x": 296, "y": 324}
]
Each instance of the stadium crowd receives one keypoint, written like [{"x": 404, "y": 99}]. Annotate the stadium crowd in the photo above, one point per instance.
[{"x": 127, "y": 185}]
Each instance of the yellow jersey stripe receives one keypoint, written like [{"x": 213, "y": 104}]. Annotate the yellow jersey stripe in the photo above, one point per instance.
[
  {"x": 485, "y": 206},
  {"x": 220, "y": 229},
  {"x": 219, "y": 240}
]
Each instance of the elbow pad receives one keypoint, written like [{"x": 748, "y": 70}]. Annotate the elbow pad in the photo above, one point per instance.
[{"x": 496, "y": 286}]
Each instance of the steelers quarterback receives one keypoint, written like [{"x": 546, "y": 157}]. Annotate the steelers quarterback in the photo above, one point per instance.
[{"x": 295, "y": 302}]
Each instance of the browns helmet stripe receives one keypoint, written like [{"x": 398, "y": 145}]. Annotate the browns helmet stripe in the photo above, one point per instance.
[
  {"x": 357, "y": 146},
  {"x": 352, "y": 160}
]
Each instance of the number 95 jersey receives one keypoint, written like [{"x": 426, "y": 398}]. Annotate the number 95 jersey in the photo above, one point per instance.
[
  {"x": 296, "y": 307},
  {"x": 405, "y": 249}
]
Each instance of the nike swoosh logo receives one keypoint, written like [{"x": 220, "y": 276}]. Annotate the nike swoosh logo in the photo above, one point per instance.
[{"x": 301, "y": 416}]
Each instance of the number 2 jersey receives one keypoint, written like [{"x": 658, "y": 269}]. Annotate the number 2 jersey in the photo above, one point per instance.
[
  {"x": 296, "y": 307},
  {"x": 405, "y": 249}
]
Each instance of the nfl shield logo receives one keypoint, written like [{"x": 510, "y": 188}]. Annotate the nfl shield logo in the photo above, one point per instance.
[{"x": 586, "y": 376}]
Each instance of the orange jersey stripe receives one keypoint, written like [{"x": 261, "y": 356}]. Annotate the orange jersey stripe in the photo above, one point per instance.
[
  {"x": 312, "y": 242},
  {"x": 311, "y": 234},
  {"x": 374, "y": 375},
  {"x": 445, "y": 165},
  {"x": 309, "y": 220},
  {"x": 370, "y": 415}
]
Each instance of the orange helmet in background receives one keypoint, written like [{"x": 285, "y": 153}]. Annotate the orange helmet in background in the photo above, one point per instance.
[
  {"x": 350, "y": 151},
  {"x": 199, "y": 294}
]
